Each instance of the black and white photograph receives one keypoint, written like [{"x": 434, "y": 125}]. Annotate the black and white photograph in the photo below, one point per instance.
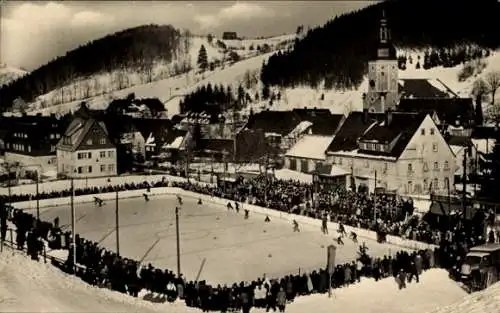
[{"x": 250, "y": 156}]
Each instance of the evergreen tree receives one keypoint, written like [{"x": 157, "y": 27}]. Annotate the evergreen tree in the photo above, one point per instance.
[
  {"x": 241, "y": 96},
  {"x": 202, "y": 58},
  {"x": 266, "y": 92},
  {"x": 478, "y": 116}
]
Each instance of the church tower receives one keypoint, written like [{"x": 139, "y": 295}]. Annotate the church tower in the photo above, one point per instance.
[{"x": 382, "y": 94}]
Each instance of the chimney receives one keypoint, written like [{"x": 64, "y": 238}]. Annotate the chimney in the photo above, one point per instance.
[
  {"x": 388, "y": 117},
  {"x": 365, "y": 116}
]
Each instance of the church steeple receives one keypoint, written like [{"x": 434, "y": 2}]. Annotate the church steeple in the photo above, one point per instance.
[{"x": 385, "y": 36}]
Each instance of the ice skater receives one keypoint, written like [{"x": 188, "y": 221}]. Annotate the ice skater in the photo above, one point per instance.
[
  {"x": 267, "y": 220},
  {"x": 324, "y": 225},
  {"x": 237, "y": 205},
  {"x": 354, "y": 237},
  {"x": 341, "y": 230},
  {"x": 340, "y": 241},
  {"x": 199, "y": 201},
  {"x": 179, "y": 199},
  {"x": 296, "y": 226},
  {"x": 247, "y": 214},
  {"x": 146, "y": 197},
  {"x": 98, "y": 201},
  {"x": 229, "y": 206}
]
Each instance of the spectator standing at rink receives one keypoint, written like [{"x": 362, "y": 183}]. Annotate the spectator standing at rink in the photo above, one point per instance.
[{"x": 281, "y": 300}]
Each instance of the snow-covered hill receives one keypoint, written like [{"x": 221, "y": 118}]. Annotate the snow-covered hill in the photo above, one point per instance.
[
  {"x": 346, "y": 101},
  {"x": 161, "y": 81},
  {"x": 8, "y": 74},
  {"x": 29, "y": 286}
]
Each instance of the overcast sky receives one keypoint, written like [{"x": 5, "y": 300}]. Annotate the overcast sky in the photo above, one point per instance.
[{"x": 32, "y": 33}]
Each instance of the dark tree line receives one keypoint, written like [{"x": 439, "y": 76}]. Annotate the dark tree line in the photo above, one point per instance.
[
  {"x": 338, "y": 52},
  {"x": 212, "y": 100},
  {"x": 136, "y": 48}
]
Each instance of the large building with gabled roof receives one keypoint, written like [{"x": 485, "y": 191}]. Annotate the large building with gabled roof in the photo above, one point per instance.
[{"x": 85, "y": 149}]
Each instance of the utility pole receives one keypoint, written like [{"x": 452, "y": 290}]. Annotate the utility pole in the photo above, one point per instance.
[
  {"x": 117, "y": 224},
  {"x": 464, "y": 181},
  {"x": 178, "y": 241},
  {"x": 37, "y": 197},
  {"x": 375, "y": 199},
  {"x": 449, "y": 203},
  {"x": 73, "y": 233}
]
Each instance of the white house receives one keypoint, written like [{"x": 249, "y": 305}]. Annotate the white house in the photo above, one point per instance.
[
  {"x": 85, "y": 150},
  {"x": 400, "y": 152},
  {"x": 309, "y": 152}
]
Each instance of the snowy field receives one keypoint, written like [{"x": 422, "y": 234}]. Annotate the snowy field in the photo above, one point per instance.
[
  {"x": 29, "y": 286},
  {"x": 235, "y": 249}
]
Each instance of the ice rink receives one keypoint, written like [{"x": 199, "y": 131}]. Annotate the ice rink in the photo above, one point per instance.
[{"x": 235, "y": 249}]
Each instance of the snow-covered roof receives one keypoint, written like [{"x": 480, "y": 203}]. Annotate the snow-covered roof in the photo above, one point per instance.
[
  {"x": 299, "y": 129},
  {"x": 176, "y": 144},
  {"x": 286, "y": 174},
  {"x": 355, "y": 153},
  {"x": 484, "y": 145},
  {"x": 310, "y": 147}
]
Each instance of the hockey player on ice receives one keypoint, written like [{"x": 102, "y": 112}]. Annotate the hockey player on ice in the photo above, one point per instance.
[
  {"x": 324, "y": 225},
  {"x": 296, "y": 226},
  {"x": 199, "y": 201},
  {"x": 339, "y": 241},
  {"x": 98, "y": 201},
  {"x": 229, "y": 206},
  {"x": 179, "y": 199},
  {"x": 146, "y": 197},
  {"x": 354, "y": 237},
  {"x": 236, "y": 204},
  {"x": 246, "y": 213},
  {"x": 267, "y": 220},
  {"x": 341, "y": 230}
]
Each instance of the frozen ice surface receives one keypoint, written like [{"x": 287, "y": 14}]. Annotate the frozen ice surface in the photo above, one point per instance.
[{"x": 235, "y": 249}]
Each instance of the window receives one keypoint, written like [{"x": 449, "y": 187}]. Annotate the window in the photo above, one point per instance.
[
  {"x": 304, "y": 166},
  {"x": 410, "y": 168},
  {"x": 436, "y": 166},
  {"x": 103, "y": 168},
  {"x": 29, "y": 149},
  {"x": 52, "y": 136},
  {"x": 293, "y": 164},
  {"x": 58, "y": 136},
  {"x": 80, "y": 155},
  {"x": 370, "y": 146},
  {"x": 435, "y": 184},
  {"x": 90, "y": 169},
  {"x": 446, "y": 166},
  {"x": 446, "y": 182},
  {"x": 434, "y": 147},
  {"x": 111, "y": 167},
  {"x": 102, "y": 154},
  {"x": 111, "y": 154},
  {"x": 80, "y": 169},
  {"x": 381, "y": 148},
  {"x": 102, "y": 141},
  {"x": 422, "y": 131},
  {"x": 52, "y": 148},
  {"x": 384, "y": 170},
  {"x": 89, "y": 155},
  {"x": 89, "y": 142},
  {"x": 425, "y": 185},
  {"x": 432, "y": 131},
  {"x": 410, "y": 186}
]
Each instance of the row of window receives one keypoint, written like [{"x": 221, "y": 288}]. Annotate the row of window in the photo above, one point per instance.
[
  {"x": 432, "y": 131},
  {"x": 20, "y": 135},
  {"x": 446, "y": 167},
  {"x": 25, "y": 148},
  {"x": 102, "y": 154},
  {"x": 90, "y": 142},
  {"x": 102, "y": 167},
  {"x": 433, "y": 185}
]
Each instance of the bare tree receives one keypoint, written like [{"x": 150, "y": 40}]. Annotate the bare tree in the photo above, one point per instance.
[
  {"x": 492, "y": 80},
  {"x": 480, "y": 89}
]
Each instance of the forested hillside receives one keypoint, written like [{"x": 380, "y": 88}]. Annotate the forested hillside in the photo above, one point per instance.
[
  {"x": 137, "y": 48},
  {"x": 337, "y": 53}
]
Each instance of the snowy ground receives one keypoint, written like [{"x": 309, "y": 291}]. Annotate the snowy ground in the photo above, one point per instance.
[
  {"x": 29, "y": 286},
  {"x": 235, "y": 249}
]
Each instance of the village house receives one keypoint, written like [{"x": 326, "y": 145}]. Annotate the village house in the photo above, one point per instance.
[
  {"x": 399, "y": 152},
  {"x": 31, "y": 142},
  {"x": 308, "y": 153},
  {"x": 85, "y": 150},
  {"x": 464, "y": 150}
]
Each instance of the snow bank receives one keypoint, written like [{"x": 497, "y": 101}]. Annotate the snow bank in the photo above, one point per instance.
[
  {"x": 29, "y": 286},
  {"x": 435, "y": 289}
]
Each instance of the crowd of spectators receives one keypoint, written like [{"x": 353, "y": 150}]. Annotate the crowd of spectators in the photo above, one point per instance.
[{"x": 101, "y": 267}]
